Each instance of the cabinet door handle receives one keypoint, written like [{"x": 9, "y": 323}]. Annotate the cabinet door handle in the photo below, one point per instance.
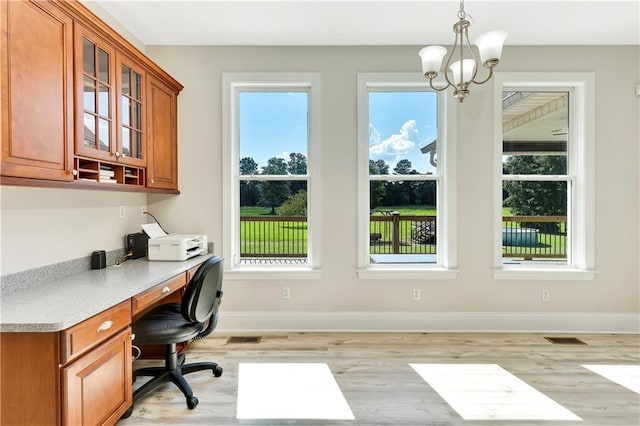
[
  {"x": 117, "y": 154},
  {"x": 166, "y": 290},
  {"x": 74, "y": 172},
  {"x": 105, "y": 326}
]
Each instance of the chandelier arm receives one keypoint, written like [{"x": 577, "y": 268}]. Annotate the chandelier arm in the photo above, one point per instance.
[
  {"x": 486, "y": 79},
  {"x": 440, "y": 89},
  {"x": 446, "y": 65},
  {"x": 475, "y": 58}
]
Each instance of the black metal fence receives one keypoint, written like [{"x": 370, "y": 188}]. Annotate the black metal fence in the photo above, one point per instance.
[{"x": 279, "y": 237}]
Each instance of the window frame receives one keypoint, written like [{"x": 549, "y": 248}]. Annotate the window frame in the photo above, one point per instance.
[
  {"x": 579, "y": 176},
  {"x": 445, "y": 268},
  {"x": 232, "y": 85}
]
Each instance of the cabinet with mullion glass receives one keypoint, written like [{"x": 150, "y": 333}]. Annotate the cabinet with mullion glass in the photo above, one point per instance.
[
  {"x": 95, "y": 123},
  {"x": 130, "y": 122}
]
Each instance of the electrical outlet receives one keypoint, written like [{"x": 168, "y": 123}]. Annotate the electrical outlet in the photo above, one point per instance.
[
  {"x": 286, "y": 292},
  {"x": 143, "y": 210},
  {"x": 545, "y": 295},
  {"x": 416, "y": 294},
  {"x": 122, "y": 211}
]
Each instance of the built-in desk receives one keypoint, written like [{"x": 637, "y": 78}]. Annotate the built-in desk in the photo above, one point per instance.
[{"x": 66, "y": 344}]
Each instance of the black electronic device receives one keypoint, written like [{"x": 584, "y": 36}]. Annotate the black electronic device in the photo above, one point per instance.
[
  {"x": 136, "y": 244},
  {"x": 99, "y": 259}
]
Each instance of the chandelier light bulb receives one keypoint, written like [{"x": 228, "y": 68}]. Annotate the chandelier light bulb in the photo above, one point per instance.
[
  {"x": 468, "y": 69},
  {"x": 490, "y": 45},
  {"x": 432, "y": 59}
]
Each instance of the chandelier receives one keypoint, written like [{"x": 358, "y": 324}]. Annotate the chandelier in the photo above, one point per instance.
[{"x": 461, "y": 73}]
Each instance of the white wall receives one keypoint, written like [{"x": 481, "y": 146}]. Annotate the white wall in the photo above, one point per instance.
[
  {"x": 339, "y": 294},
  {"x": 43, "y": 226}
]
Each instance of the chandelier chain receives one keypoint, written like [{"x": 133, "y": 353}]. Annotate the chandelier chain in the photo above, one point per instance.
[{"x": 461, "y": 12}]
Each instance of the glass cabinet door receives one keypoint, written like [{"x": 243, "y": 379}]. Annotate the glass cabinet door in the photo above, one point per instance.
[
  {"x": 95, "y": 136},
  {"x": 131, "y": 141}
]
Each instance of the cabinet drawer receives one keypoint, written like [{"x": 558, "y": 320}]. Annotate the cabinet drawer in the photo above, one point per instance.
[
  {"x": 89, "y": 333},
  {"x": 191, "y": 272},
  {"x": 160, "y": 291}
]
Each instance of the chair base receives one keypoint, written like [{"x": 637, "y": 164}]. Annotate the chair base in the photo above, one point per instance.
[{"x": 173, "y": 371}]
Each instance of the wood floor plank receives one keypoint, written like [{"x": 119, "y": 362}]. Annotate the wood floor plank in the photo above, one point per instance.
[{"x": 373, "y": 372}]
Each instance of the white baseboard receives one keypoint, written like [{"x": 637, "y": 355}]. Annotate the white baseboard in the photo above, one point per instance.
[{"x": 233, "y": 322}]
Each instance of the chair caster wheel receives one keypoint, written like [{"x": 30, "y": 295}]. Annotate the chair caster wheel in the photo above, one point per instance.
[
  {"x": 127, "y": 413},
  {"x": 218, "y": 371},
  {"x": 192, "y": 401}
]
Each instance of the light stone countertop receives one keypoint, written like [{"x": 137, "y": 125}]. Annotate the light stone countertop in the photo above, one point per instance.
[{"x": 59, "y": 304}]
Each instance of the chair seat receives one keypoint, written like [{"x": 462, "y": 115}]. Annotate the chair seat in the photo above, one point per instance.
[{"x": 165, "y": 324}]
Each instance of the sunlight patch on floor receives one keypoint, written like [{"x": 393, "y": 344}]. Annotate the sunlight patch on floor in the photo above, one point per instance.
[
  {"x": 624, "y": 375},
  {"x": 489, "y": 392},
  {"x": 289, "y": 391}
]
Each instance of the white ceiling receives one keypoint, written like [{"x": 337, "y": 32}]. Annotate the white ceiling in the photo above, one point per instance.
[{"x": 366, "y": 22}]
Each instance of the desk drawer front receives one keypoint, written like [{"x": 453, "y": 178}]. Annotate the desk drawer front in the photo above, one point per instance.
[
  {"x": 159, "y": 292},
  {"x": 89, "y": 333},
  {"x": 191, "y": 272}
]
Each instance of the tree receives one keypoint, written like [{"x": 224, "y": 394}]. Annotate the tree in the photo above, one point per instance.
[
  {"x": 403, "y": 193},
  {"x": 249, "y": 191},
  {"x": 273, "y": 193},
  {"x": 383, "y": 168},
  {"x": 403, "y": 167},
  {"x": 295, "y": 205},
  {"x": 378, "y": 190},
  {"x": 297, "y": 165},
  {"x": 530, "y": 198}
]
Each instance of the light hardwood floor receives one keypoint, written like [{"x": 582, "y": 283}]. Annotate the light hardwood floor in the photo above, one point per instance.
[{"x": 373, "y": 372}]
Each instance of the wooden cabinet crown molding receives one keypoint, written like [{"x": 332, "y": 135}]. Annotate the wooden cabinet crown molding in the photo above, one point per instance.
[{"x": 89, "y": 19}]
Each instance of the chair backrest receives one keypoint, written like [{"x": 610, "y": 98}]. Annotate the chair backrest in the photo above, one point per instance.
[{"x": 203, "y": 293}]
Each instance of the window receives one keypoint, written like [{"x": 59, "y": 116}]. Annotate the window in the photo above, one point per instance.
[
  {"x": 271, "y": 174},
  {"x": 544, "y": 169},
  {"x": 406, "y": 178}
]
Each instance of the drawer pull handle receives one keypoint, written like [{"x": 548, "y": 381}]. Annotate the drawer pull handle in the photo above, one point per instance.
[
  {"x": 166, "y": 290},
  {"x": 105, "y": 326}
]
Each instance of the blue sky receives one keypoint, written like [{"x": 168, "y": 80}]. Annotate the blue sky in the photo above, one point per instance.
[
  {"x": 274, "y": 124},
  {"x": 400, "y": 123}
]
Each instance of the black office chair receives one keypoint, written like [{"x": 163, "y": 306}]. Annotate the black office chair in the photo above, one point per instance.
[{"x": 194, "y": 318}]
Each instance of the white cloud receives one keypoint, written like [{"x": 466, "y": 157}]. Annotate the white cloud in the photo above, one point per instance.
[{"x": 396, "y": 145}]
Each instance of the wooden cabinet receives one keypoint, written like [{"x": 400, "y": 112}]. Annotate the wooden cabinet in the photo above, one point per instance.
[
  {"x": 98, "y": 386},
  {"x": 80, "y": 103},
  {"x": 162, "y": 167},
  {"x": 95, "y": 96},
  {"x": 79, "y": 376},
  {"x": 37, "y": 90},
  {"x": 131, "y": 103}
]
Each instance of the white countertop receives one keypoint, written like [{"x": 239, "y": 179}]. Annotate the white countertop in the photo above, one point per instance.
[{"x": 59, "y": 304}]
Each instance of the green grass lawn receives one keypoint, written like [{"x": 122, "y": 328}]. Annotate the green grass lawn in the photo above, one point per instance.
[
  {"x": 256, "y": 211},
  {"x": 408, "y": 210}
]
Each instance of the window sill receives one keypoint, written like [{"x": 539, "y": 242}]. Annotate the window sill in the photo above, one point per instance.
[
  {"x": 397, "y": 272},
  {"x": 549, "y": 274},
  {"x": 271, "y": 273}
]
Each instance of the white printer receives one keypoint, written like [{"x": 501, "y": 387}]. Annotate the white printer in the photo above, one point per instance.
[{"x": 176, "y": 247}]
